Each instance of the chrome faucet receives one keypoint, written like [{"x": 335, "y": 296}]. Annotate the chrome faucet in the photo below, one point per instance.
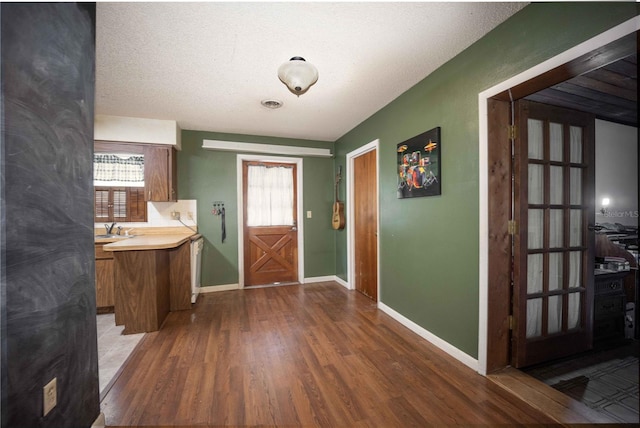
[{"x": 109, "y": 228}]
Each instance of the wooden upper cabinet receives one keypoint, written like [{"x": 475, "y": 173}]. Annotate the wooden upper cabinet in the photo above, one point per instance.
[{"x": 160, "y": 174}]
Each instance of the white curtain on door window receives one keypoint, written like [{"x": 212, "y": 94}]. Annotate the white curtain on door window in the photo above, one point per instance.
[{"x": 269, "y": 196}]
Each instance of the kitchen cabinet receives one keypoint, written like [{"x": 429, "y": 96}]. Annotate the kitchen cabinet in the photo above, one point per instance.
[
  {"x": 152, "y": 275},
  {"x": 160, "y": 167},
  {"x": 609, "y": 308},
  {"x": 160, "y": 174},
  {"x": 105, "y": 280}
]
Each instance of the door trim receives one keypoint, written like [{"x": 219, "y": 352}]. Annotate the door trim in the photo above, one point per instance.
[
  {"x": 630, "y": 26},
  {"x": 374, "y": 145},
  {"x": 262, "y": 158}
]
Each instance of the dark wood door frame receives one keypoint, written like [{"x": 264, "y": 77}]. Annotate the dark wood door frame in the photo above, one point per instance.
[{"x": 498, "y": 181}]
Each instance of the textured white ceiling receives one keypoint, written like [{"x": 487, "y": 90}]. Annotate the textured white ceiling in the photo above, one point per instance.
[{"x": 208, "y": 65}]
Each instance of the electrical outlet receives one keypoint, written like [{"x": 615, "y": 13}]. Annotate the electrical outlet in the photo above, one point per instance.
[
  {"x": 308, "y": 214},
  {"x": 175, "y": 215},
  {"x": 49, "y": 396}
]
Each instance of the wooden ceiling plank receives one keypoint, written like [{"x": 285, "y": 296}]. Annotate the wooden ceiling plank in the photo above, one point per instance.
[
  {"x": 598, "y": 85},
  {"x": 595, "y": 95},
  {"x": 614, "y": 79},
  {"x": 625, "y": 66},
  {"x": 574, "y": 102}
]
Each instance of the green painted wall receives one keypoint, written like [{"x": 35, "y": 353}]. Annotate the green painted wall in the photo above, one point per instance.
[
  {"x": 207, "y": 176},
  {"x": 429, "y": 246}
]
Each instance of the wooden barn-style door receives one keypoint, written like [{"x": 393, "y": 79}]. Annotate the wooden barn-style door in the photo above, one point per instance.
[
  {"x": 553, "y": 262},
  {"x": 270, "y": 223}
]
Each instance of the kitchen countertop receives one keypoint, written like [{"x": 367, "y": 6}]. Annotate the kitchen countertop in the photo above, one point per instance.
[{"x": 146, "y": 242}]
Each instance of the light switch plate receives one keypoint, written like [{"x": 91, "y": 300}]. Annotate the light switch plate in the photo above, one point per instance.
[
  {"x": 49, "y": 396},
  {"x": 308, "y": 214}
]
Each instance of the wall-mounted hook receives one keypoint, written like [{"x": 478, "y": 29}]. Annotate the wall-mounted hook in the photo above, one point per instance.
[{"x": 218, "y": 206}]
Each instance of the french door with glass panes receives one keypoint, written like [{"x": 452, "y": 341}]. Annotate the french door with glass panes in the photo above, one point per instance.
[{"x": 553, "y": 245}]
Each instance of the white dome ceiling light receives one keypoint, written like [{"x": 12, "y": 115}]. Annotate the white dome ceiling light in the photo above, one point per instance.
[{"x": 298, "y": 75}]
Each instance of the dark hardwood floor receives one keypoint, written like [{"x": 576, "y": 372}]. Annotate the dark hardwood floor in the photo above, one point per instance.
[{"x": 312, "y": 355}]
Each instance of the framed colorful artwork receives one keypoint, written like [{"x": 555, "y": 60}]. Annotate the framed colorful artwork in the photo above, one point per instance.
[{"x": 419, "y": 172}]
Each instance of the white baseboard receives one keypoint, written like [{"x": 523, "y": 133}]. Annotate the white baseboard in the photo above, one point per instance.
[
  {"x": 319, "y": 279},
  {"x": 327, "y": 278},
  {"x": 464, "y": 358},
  {"x": 100, "y": 421},
  {"x": 216, "y": 288},
  {"x": 227, "y": 287}
]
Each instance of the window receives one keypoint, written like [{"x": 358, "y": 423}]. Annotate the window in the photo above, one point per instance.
[
  {"x": 120, "y": 204},
  {"x": 119, "y": 187}
]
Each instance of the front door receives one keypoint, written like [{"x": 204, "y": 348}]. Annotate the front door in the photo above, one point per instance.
[
  {"x": 554, "y": 204},
  {"x": 270, "y": 219},
  {"x": 365, "y": 222}
]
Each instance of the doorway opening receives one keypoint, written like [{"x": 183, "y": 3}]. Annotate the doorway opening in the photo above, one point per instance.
[
  {"x": 495, "y": 176},
  {"x": 496, "y": 294},
  {"x": 270, "y": 240}
]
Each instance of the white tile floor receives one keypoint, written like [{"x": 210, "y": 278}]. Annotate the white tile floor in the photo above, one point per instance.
[
  {"x": 113, "y": 348},
  {"x": 606, "y": 380}
]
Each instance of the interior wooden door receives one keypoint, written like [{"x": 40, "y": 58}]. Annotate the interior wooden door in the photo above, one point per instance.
[
  {"x": 553, "y": 247},
  {"x": 365, "y": 221},
  {"x": 270, "y": 251}
]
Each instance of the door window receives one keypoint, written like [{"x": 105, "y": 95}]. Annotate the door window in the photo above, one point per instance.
[{"x": 269, "y": 196}]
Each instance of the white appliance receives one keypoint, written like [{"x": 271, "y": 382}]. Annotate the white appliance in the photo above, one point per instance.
[{"x": 196, "y": 266}]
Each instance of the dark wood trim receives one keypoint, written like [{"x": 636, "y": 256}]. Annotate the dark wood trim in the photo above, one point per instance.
[
  {"x": 520, "y": 241},
  {"x": 499, "y": 302},
  {"x": 560, "y": 407},
  {"x": 597, "y": 58}
]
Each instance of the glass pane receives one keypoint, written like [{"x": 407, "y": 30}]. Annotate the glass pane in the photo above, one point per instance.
[
  {"x": 554, "y": 321},
  {"x": 119, "y": 204},
  {"x": 534, "y": 273},
  {"x": 269, "y": 196},
  {"x": 573, "y": 317},
  {"x": 575, "y": 269},
  {"x": 555, "y": 142},
  {"x": 534, "y": 317},
  {"x": 536, "y": 184},
  {"x": 535, "y": 138},
  {"x": 575, "y": 186},
  {"x": 535, "y": 230},
  {"x": 575, "y": 135},
  {"x": 555, "y": 229},
  {"x": 555, "y": 271},
  {"x": 575, "y": 228},
  {"x": 555, "y": 185},
  {"x": 102, "y": 204}
]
